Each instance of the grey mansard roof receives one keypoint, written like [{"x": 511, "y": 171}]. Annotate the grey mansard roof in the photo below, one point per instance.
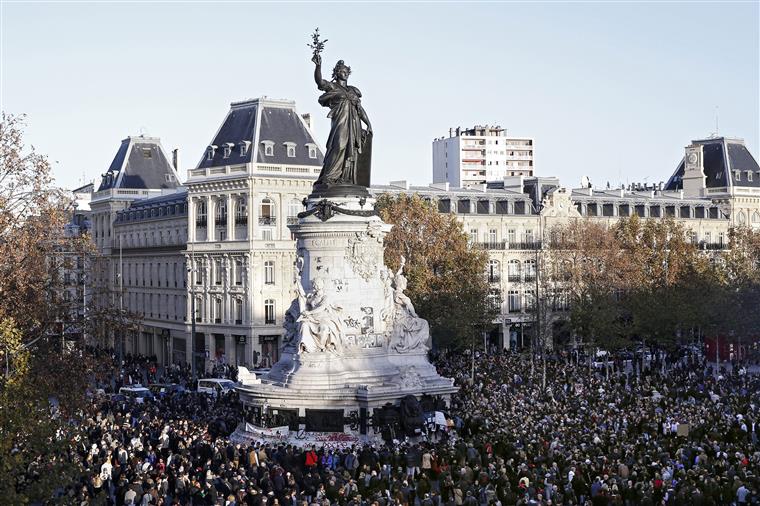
[
  {"x": 723, "y": 157},
  {"x": 251, "y": 124},
  {"x": 171, "y": 204},
  {"x": 140, "y": 163}
]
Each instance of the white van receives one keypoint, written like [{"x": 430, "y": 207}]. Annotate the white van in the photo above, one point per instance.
[
  {"x": 137, "y": 393},
  {"x": 215, "y": 386}
]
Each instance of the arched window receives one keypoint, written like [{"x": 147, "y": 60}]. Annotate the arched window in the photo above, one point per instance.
[
  {"x": 217, "y": 309},
  {"x": 513, "y": 301},
  {"x": 241, "y": 211},
  {"x": 741, "y": 218},
  {"x": 513, "y": 270},
  {"x": 269, "y": 311},
  {"x": 266, "y": 213},
  {"x": 200, "y": 213},
  {"x": 294, "y": 207},
  {"x": 493, "y": 271},
  {"x": 238, "y": 311},
  {"x": 238, "y": 272},
  {"x": 221, "y": 212},
  {"x": 218, "y": 271},
  {"x": 756, "y": 218},
  {"x": 530, "y": 270}
]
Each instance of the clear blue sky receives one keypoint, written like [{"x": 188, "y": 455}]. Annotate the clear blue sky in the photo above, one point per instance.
[{"x": 613, "y": 91}]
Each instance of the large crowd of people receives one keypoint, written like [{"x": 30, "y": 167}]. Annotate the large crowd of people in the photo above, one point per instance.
[{"x": 684, "y": 434}]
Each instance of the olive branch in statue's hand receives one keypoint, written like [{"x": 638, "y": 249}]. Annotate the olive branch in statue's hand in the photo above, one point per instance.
[{"x": 317, "y": 46}]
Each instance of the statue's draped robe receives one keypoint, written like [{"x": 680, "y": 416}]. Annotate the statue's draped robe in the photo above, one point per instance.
[{"x": 345, "y": 140}]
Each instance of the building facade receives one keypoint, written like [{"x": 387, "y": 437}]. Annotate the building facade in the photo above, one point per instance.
[
  {"x": 472, "y": 156},
  {"x": 245, "y": 191},
  {"x": 215, "y": 256},
  {"x": 135, "y": 239}
]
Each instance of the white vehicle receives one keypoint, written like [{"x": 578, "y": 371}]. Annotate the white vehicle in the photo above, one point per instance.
[
  {"x": 602, "y": 360},
  {"x": 138, "y": 393},
  {"x": 215, "y": 386}
]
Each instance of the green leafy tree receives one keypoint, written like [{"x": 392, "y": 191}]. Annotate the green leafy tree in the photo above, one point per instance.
[{"x": 447, "y": 282}]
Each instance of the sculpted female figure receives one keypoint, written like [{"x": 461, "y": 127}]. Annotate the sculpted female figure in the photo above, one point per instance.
[
  {"x": 347, "y": 139},
  {"x": 410, "y": 332},
  {"x": 320, "y": 326}
]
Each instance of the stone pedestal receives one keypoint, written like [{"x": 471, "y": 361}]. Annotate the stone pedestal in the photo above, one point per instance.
[{"x": 354, "y": 340}]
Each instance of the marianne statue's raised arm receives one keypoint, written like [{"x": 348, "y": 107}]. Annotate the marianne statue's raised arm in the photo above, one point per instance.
[{"x": 321, "y": 83}]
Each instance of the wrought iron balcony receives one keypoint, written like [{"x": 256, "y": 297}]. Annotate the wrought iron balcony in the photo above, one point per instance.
[
  {"x": 528, "y": 245},
  {"x": 267, "y": 220},
  {"x": 496, "y": 245}
]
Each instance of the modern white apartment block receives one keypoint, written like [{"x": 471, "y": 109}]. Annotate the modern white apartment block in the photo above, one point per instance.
[{"x": 481, "y": 154}]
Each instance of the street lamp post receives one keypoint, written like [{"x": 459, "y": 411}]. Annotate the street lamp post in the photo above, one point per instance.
[{"x": 192, "y": 309}]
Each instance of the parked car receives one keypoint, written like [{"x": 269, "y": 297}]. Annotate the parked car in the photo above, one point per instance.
[
  {"x": 216, "y": 386},
  {"x": 136, "y": 393},
  {"x": 165, "y": 389}
]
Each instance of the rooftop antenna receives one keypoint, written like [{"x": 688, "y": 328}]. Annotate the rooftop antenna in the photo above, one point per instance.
[
  {"x": 716, "y": 120},
  {"x": 715, "y": 133}
]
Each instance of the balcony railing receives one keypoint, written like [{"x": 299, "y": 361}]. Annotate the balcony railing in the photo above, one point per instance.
[
  {"x": 713, "y": 246},
  {"x": 200, "y": 222},
  {"x": 292, "y": 220},
  {"x": 501, "y": 245},
  {"x": 221, "y": 221},
  {"x": 241, "y": 220},
  {"x": 494, "y": 278},
  {"x": 529, "y": 245},
  {"x": 514, "y": 278},
  {"x": 497, "y": 245},
  {"x": 267, "y": 220}
]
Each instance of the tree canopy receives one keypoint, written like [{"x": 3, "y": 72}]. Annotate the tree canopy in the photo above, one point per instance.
[
  {"x": 647, "y": 280},
  {"x": 447, "y": 282}
]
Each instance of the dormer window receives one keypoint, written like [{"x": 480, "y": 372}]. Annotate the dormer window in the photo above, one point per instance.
[
  {"x": 210, "y": 152},
  {"x": 147, "y": 153},
  {"x": 268, "y": 148},
  {"x": 290, "y": 147},
  {"x": 244, "y": 146},
  {"x": 228, "y": 149},
  {"x": 749, "y": 175},
  {"x": 312, "y": 151},
  {"x": 738, "y": 175}
]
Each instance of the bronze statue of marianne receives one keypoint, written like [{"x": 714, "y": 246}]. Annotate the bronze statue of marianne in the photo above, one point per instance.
[{"x": 349, "y": 146}]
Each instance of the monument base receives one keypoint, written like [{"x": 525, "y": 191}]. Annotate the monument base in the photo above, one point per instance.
[{"x": 355, "y": 359}]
